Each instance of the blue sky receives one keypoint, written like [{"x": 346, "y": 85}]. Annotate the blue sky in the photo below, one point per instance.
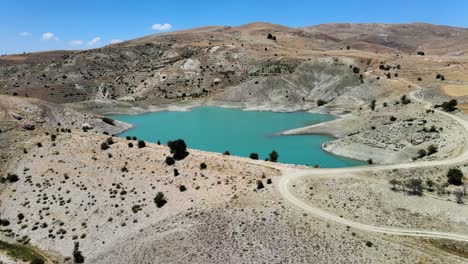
[{"x": 35, "y": 25}]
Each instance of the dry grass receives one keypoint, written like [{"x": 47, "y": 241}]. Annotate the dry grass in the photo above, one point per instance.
[{"x": 455, "y": 90}]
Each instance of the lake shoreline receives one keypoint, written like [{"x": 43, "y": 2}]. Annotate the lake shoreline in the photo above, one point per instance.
[{"x": 144, "y": 127}]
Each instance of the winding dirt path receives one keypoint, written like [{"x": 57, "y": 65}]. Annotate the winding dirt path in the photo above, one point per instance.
[{"x": 291, "y": 174}]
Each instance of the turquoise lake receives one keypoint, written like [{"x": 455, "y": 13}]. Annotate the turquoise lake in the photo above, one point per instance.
[{"x": 240, "y": 132}]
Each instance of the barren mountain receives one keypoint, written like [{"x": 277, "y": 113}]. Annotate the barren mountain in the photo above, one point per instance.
[
  {"x": 217, "y": 62},
  {"x": 64, "y": 178}
]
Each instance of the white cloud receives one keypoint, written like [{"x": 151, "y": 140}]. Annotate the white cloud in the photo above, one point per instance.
[
  {"x": 75, "y": 43},
  {"x": 25, "y": 34},
  {"x": 94, "y": 41},
  {"x": 161, "y": 27},
  {"x": 49, "y": 36},
  {"x": 115, "y": 41}
]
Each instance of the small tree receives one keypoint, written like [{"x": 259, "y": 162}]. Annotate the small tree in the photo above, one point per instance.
[
  {"x": 274, "y": 156},
  {"x": 370, "y": 161},
  {"x": 170, "y": 161},
  {"x": 450, "y": 106},
  {"x": 254, "y": 156},
  {"x": 227, "y": 153},
  {"x": 416, "y": 186},
  {"x": 178, "y": 149},
  {"x": 141, "y": 144},
  {"x": 455, "y": 176},
  {"x": 260, "y": 185},
  {"x": 372, "y": 105},
  {"x": 77, "y": 256},
  {"x": 12, "y": 177},
  {"x": 160, "y": 200},
  {"x": 203, "y": 165},
  {"x": 104, "y": 146}
]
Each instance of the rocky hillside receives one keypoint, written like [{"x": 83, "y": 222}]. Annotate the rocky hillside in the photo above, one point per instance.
[{"x": 257, "y": 62}]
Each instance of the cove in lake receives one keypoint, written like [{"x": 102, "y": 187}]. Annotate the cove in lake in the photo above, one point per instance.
[{"x": 240, "y": 132}]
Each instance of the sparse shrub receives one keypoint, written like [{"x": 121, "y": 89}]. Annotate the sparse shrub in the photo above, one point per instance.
[
  {"x": 176, "y": 172},
  {"x": 392, "y": 118},
  {"x": 20, "y": 216},
  {"x": 356, "y": 69},
  {"x": 141, "y": 144},
  {"x": 458, "y": 196},
  {"x": 203, "y": 165},
  {"x": 455, "y": 176},
  {"x": 178, "y": 149},
  {"x": 227, "y": 153},
  {"x": 370, "y": 161},
  {"x": 369, "y": 244},
  {"x": 430, "y": 185},
  {"x": 136, "y": 208},
  {"x": 182, "y": 188},
  {"x": 160, "y": 200},
  {"x": 254, "y": 156},
  {"x": 422, "y": 153},
  {"x": 170, "y": 161},
  {"x": 130, "y": 144},
  {"x": 274, "y": 156},
  {"x": 108, "y": 120},
  {"x": 321, "y": 102},
  {"x": 405, "y": 100},
  {"x": 269, "y": 181},
  {"x": 415, "y": 185},
  {"x": 128, "y": 138},
  {"x": 432, "y": 149},
  {"x": 420, "y": 53},
  {"x": 394, "y": 183},
  {"x": 37, "y": 260}
]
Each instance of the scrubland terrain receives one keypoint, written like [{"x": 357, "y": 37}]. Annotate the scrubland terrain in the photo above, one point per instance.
[{"x": 65, "y": 178}]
